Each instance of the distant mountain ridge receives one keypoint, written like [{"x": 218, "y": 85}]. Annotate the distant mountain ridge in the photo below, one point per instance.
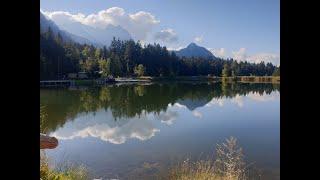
[
  {"x": 101, "y": 36},
  {"x": 45, "y": 23},
  {"x": 193, "y": 50}
]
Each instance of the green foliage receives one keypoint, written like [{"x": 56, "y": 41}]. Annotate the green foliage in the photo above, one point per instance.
[
  {"x": 104, "y": 66},
  {"x": 139, "y": 70},
  {"x": 276, "y": 72},
  {"x": 98, "y": 53},
  {"x": 89, "y": 66},
  {"x": 226, "y": 70},
  {"x": 115, "y": 63}
]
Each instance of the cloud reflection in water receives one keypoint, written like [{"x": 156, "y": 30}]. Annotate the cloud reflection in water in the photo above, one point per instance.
[{"x": 102, "y": 126}]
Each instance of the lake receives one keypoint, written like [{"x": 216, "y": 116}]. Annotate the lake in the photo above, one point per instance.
[{"x": 134, "y": 131}]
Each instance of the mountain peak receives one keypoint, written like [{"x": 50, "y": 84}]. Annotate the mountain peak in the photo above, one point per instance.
[
  {"x": 192, "y": 45},
  {"x": 193, "y": 50}
]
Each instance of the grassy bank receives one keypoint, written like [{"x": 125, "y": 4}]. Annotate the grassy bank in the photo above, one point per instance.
[
  {"x": 176, "y": 78},
  {"x": 253, "y": 79}
]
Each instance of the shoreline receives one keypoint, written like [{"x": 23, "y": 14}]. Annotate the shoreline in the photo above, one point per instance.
[
  {"x": 273, "y": 79},
  {"x": 149, "y": 79}
]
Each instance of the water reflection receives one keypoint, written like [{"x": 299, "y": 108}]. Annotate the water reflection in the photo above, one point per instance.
[
  {"x": 117, "y": 113},
  {"x": 101, "y": 125},
  {"x": 167, "y": 117},
  {"x": 115, "y": 129},
  {"x": 119, "y": 103}
]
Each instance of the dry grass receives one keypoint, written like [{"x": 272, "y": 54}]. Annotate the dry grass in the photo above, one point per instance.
[
  {"x": 68, "y": 172},
  {"x": 229, "y": 162},
  {"x": 228, "y": 165}
]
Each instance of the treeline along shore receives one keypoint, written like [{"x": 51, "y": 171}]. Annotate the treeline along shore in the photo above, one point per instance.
[{"x": 59, "y": 58}]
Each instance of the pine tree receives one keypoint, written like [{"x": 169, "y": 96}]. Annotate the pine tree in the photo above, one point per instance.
[
  {"x": 226, "y": 70},
  {"x": 276, "y": 71}
]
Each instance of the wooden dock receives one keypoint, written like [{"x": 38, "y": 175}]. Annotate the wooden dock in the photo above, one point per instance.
[
  {"x": 55, "y": 83},
  {"x": 131, "y": 80}
]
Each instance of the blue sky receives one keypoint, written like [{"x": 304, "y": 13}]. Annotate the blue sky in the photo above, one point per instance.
[{"x": 243, "y": 29}]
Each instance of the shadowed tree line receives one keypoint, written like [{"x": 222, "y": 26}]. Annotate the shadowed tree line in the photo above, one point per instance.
[
  {"x": 127, "y": 101},
  {"x": 130, "y": 58}
]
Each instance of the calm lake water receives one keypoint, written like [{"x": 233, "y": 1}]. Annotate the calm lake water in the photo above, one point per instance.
[{"x": 138, "y": 130}]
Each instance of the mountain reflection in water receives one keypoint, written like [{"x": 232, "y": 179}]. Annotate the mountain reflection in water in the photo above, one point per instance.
[{"x": 115, "y": 113}]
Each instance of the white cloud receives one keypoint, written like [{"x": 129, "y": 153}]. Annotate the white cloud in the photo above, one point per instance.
[
  {"x": 167, "y": 117},
  {"x": 41, "y": 11},
  {"x": 237, "y": 100},
  {"x": 197, "y": 114},
  {"x": 166, "y": 35},
  {"x": 61, "y": 17},
  {"x": 198, "y": 39},
  {"x": 106, "y": 129},
  {"x": 175, "y": 48},
  {"x": 215, "y": 101},
  {"x": 139, "y": 24},
  {"x": 221, "y": 52},
  {"x": 266, "y": 57},
  {"x": 241, "y": 55},
  {"x": 179, "y": 105},
  {"x": 263, "y": 98}
]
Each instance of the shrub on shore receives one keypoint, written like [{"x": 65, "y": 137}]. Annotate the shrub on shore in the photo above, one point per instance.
[{"x": 228, "y": 165}]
